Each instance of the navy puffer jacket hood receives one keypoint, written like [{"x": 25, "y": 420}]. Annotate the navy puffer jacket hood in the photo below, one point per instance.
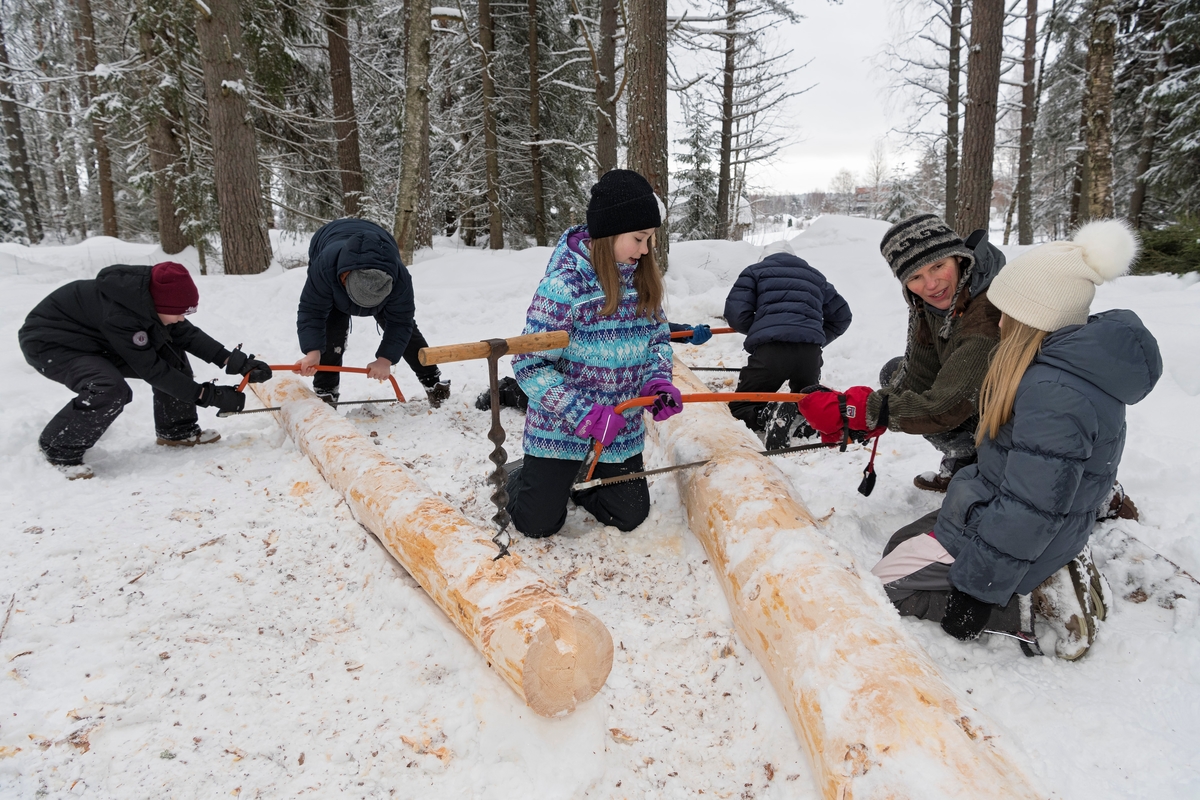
[
  {"x": 1028, "y": 506},
  {"x": 342, "y": 246},
  {"x": 783, "y": 299}
]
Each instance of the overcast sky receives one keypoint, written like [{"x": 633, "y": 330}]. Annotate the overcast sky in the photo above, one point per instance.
[{"x": 838, "y": 121}]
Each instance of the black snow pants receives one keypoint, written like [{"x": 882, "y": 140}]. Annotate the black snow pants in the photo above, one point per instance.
[
  {"x": 538, "y": 491},
  {"x": 915, "y": 571},
  {"x": 102, "y": 394},
  {"x": 769, "y": 367},
  {"x": 337, "y": 333}
]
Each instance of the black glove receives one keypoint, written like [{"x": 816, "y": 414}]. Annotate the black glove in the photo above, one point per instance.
[
  {"x": 225, "y": 398},
  {"x": 965, "y": 617},
  {"x": 241, "y": 364}
]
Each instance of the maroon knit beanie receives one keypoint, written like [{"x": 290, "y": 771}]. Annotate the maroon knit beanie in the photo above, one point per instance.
[{"x": 172, "y": 288}]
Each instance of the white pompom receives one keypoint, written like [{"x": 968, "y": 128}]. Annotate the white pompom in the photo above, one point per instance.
[{"x": 1109, "y": 247}]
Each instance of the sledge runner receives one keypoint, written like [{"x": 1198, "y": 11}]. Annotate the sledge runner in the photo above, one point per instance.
[
  {"x": 354, "y": 269},
  {"x": 127, "y": 322},
  {"x": 1050, "y": 439},
  {"x": 788, "y": 312},
  {"x": 602, "y": 286},
  {"x": 512, "y": 396},
  {"x": 933, "y": 389}
]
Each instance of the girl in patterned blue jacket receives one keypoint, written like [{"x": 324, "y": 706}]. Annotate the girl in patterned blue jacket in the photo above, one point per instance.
[{"x": 603, "y": 287}]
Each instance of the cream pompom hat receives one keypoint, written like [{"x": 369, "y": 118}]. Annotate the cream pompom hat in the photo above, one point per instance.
[{"x": 1052, "y": 286}]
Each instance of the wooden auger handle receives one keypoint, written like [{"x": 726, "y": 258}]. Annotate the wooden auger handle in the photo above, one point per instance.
[{"x": 468, "y": 351}]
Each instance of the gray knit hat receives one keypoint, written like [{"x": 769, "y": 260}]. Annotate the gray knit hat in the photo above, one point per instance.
[
  {"x": 368, "y": 287},
  {"x": 919, "y": 241}
]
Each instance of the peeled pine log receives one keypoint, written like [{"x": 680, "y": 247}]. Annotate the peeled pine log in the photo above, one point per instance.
[
  {"x": 876, "y": 717},
  {"x": 554, "y": 654}
]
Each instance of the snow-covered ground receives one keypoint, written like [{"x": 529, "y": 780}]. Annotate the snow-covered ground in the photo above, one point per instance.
[{"x": 213, "y": 622}]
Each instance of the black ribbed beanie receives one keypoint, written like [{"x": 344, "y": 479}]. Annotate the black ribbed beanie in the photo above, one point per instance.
[{"x": 622, "y": 201}]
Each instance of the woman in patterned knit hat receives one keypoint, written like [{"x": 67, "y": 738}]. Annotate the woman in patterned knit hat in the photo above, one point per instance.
[{"x": 603, "y": 287}]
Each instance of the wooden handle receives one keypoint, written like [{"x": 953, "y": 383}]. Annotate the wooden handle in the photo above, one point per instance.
[{"x": 467, "y": 351}]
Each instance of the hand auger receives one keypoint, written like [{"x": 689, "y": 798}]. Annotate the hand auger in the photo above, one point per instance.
[
  {"x": 320, "y": 368},
  {"x": 492, "y": 350}
]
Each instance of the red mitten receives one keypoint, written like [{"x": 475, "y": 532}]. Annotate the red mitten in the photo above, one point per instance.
[
  {"x": 821, "y": 410},
  {"x": 856, "y": 409}
]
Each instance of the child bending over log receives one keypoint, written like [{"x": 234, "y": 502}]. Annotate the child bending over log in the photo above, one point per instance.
[
  {"x": 602, "y": 286},
  {"x": 127, "y": 322},
  {"x": 1050, "y": 438}
]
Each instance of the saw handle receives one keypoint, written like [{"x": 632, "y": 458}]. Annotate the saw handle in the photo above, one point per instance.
[
  {"x": 324, "y": 368},
  {"x": 685, "y": 334},
  {"x": 699, "y": 397}
]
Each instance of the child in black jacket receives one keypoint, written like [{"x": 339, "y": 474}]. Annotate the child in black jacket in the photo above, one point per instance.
[
  {"x": 128, "y": 322},
  {"x": 788, "y": 312}
]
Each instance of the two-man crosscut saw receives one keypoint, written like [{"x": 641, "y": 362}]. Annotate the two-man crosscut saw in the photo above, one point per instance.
[{"x": 632, "y": 476}]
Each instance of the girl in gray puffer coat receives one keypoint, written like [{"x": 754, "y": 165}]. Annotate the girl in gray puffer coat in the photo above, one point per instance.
[{"x": 1051, "y": 434}]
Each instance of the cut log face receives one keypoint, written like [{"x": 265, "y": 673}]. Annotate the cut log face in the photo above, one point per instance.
[
  {"x": 553, "y": 653},
  {"x": 870, "y": 707}
]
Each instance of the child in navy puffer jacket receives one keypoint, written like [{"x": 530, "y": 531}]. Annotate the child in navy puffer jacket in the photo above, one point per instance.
[{"x": 788, "y": 312}]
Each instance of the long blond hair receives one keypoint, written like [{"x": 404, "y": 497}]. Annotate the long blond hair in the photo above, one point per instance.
[
  {"x": 647, "y": 280},
  {"x": 1019, "y": 343}
]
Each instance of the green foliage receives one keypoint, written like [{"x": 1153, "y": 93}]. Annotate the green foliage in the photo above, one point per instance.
[{"x": 1175, "y": 249}]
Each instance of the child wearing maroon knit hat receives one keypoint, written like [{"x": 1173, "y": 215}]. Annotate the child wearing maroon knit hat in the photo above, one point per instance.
[{"x": 128, "y": 322}]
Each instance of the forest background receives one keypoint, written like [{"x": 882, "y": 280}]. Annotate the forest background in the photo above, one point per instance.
[{"x": 207, "y": 122}]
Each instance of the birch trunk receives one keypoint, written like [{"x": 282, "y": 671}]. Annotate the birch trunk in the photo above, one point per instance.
[
  {"x": 554, "y": 654},
  {"x": 869, "y": 706},
  {"x": 244, "y": 243}
]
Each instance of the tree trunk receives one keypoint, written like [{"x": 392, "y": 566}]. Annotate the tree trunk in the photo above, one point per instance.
[
  {"x": 165, "y": 154},
  {"x": 490, "y": 144},
  {"x": 553, "y": 653},
  {"x": 1150, "y": 123},
  {"x": 1029, "y": 87},
  {"x": 606, "y": 89},
  {"x": 345, "y": 120},
  {"x": 865, "y": 700},
  {"x": 18, "y": 155},
  {"x": 646, "y": 70},
  {"x": 71, "y": 172},
  {"x": 416, "y": 126},
  {"x": 535, "y": 127},
  {"x": 1101, "y": 53},
  {"x": 953, "y": 104},
  {"x": 108, "y": 200},
  {"x": 979, "y": 130},
  {"x": 245, "y": 247},
  {"x": 726, "y": 145}
]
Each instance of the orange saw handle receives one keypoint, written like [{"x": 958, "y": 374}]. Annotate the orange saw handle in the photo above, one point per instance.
[
  {"x": 699, "y": 397},
  {"x": 323, "y": 368},
  {"x": 685, "y": 334}
]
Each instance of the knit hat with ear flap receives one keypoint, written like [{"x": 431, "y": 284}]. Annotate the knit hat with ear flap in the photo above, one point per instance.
[{"x": 1052, "y": 286}]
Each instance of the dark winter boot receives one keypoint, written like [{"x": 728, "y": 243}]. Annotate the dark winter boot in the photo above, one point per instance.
[
  {"x": 73, "y": 470},
  {"x": 780, "y": 422},
  {"x": 511, "y": 396},
  {"x": 1118, "y": 505},
  {"x": 329, "y": 396},
  {"x": 939, "y": 481},
  {"x": 437, "y": 393},
  {"x": 206, "y": 436}
]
